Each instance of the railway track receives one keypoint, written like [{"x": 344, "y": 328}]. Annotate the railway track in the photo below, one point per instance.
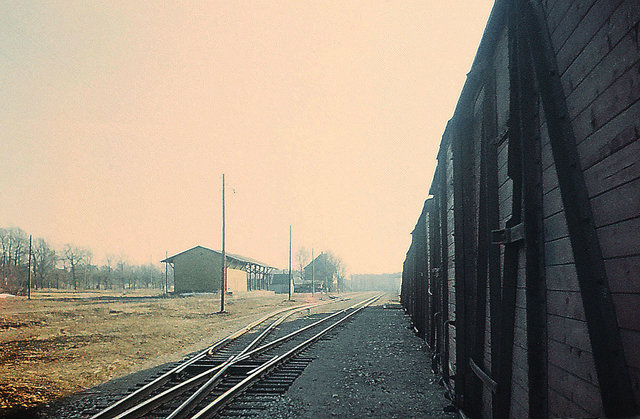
[{"x": 236, "y": 375}]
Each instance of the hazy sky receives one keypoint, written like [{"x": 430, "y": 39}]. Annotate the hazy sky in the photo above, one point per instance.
[{"x": 118, "y": 118}]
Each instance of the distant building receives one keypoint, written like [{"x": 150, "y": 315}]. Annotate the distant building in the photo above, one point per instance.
[
  {"x": 323, "y": 272},
  {"x": 199, "y": 269},
  {"x": 280, "y": 283}
]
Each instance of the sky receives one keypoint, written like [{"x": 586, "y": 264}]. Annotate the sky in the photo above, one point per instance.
[{"x": 118, "y": 119}]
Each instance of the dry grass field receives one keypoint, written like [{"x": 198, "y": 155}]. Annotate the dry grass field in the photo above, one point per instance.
[{"x": 58, "y": 343}]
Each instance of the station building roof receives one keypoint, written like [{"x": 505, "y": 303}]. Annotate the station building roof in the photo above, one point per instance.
[{"x": 230, "y": 257}]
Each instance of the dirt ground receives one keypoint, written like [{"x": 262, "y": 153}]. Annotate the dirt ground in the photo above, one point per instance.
[{"x": 59, "y": 343}]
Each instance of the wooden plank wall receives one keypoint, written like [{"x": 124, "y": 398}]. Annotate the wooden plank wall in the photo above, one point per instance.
[
  {"x": 428, "y": 312},
  {"x": 501, "y": 104},
  {"x": 596, "y": 44},
  {"x": 451, "y": 262},
  {"x": 475, "y": 298}
]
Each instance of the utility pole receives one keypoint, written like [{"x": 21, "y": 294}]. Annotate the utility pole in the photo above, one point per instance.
[
  {"x": 223, "y": 276},
  {"x": 313, "y": 272},
  {"x": 290, "y": 263},
  {"x": 166, "y": 273},
  {"x": 29, "y": 272},
  {"x": 325, "y": 275}
]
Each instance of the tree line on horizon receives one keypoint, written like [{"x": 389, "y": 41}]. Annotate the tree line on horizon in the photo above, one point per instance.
[{"x": 71, "y": 267}]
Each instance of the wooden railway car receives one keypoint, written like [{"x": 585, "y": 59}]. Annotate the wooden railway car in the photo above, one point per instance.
[{"x": 523, "y": 275}]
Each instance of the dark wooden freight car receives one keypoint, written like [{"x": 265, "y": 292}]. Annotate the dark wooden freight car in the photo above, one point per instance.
[{"x": 523, "y": 274}]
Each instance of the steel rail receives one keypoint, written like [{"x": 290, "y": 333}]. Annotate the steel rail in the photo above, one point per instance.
[
  {"x": 150, "y": 404},
  {"x": 135, "y": 405},
  {"x": 276, "y": 342},
  {"x": 202, "y": 392},
  {"x": 205, "y": 389},
  {"x": 215, "y": 406},
  {"x": 279, "y": 321},
  {"x": 131, "y": 399}
]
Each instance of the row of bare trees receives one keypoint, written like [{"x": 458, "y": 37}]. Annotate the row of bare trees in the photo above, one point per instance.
[{"x": 71, "y": 267}]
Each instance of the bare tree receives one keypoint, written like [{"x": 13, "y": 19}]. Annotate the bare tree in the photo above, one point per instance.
[
  {"x": 302, "y": 258},
  {"x": 14, "y": 245},
  {"x": 88, "y": 268},
  {"x": 108, "y": 269},
  {"x": 5, "y": 262},
  {"x": 341, "y": 272},
  {"x": 75, "y": 256},
  {"x": 73, "y": 267},
  {"x": 335, "y": 271},
  {"x": 44, "y": 262},
  {"x": 121, "y": 266}
]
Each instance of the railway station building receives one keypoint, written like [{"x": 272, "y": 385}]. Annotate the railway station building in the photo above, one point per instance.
[
  {"x": 199, "y": 269},
  {"x": 323, "y": 272}
]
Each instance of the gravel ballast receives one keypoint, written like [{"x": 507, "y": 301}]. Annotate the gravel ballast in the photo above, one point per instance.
[{"x": 375, "y": 366}]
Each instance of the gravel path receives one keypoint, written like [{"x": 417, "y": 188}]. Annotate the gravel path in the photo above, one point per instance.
[{"x": 374, "y": 366}]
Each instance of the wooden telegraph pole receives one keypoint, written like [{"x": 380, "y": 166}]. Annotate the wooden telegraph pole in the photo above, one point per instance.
[
  {"x": 313, "y": 273},
  {"x": 223, "y": 276},
  {"x": 29, "y": 272},
  {"x": 166, "y": 273},
  {"x": 290, "y": 263}
]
